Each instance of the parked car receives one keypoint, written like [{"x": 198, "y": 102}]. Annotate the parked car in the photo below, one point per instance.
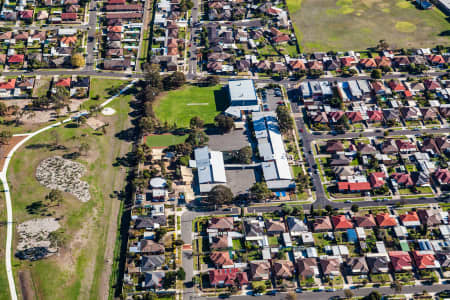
[{"x": 298, "y": 290}]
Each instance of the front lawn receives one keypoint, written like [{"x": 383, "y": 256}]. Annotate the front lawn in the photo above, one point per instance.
[
  {"x": 179, "y": 106},
  {"x": 164, "y": 140},
  {"x": 380, "y": 277}
]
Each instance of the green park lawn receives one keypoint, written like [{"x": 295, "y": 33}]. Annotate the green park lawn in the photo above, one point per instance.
[
  {"x": 179, "y": 106},
  {"x": 76, "y": 272},
  {"x": 325, "y": 25},
  {"x": 104, "y": 88},
  {"x": 164, "y": 140}
]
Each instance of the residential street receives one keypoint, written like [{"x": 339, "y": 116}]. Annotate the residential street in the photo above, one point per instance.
[{"x": 357, "y": 292}]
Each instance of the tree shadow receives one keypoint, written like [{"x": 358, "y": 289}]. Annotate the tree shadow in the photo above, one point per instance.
[
  {"x": 126, "y": 135},
  {"x": 37, "y": 146},
  {"x": 71, "y": 125}
]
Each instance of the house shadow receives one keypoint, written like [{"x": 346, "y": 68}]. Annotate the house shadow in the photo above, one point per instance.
[{"x": 221, "y": 98}]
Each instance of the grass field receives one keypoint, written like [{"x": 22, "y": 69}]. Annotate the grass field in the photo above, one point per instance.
[
  {"x": 165, "y": 140},
  {"x": 181, "y": 105},
  {"x": 358, "y": 24},
  {"x": 76, "y": 273}
]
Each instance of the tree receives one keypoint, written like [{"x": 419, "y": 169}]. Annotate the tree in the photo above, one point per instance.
[
  {"x": 196, "y": 123},
  {"x": 348, "y": 293},
  {"x": 355, "y": 208},
  {"x": 56, "y": 137},
  {"x": 220, "y": 195},
  {"x": 197, "y": 138},
  {"x": 3, "y": 109},
  {"x": 284, "y": 119},
  {"x": 244, "y": 155},
  {"x": 84, "y": 148},
  {"x": 211, "y": 80},
  {"x": 329, "y": 208},
  {"x": 258, "y": 287},
  {"x": 260, "y": 191},
  {"x": 77, "y": 60},
  {"x": 291, "y": 296},
  {"x": 5, "y": 137},
  {"x": 383, "y": 45},
  {"x": 152, "y": 76},
  {"x": 181, "y": 274},
  {"x": 224, "y": 123},
  {"x": 287, "y": 210},
  {"x": 373, "y": 296},
  {"x": 147, "y": 124},
  {"x": 397, "y": 286},
  {"x": 376, "y": 74},
  {"x": 173, "y": 81},
  {"x": 55, "y": 196},
  {"x": 178, "y": 242}
]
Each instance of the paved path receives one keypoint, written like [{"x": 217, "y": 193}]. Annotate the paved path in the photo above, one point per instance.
[{"x": 3, "y": 179}]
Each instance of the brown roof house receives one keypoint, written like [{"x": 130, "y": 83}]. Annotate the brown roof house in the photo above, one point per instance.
[
  {"x": 366, "y": 221},
  {"x": 428, "y": 114},
  {"x": 357, "y": 265},
  {"x": 259, "y": 270},
  {"x": 334, "y": 146},
  {"x": 430, "y": 217},
  {"x": 149, "y": 246},
  {"x": 389, "y": 147},
  {"x": 275, "y": 227},
  {"x": 219, "y": 224},
  {"x": 221, "y": 242},
  {"x": 330, "y": 266},
  {"x": 283, "y": 269},
  {"x": 307, "y": 268},
  {"x": 322, "y": 224},
  {"x": 222, "y": 259}
]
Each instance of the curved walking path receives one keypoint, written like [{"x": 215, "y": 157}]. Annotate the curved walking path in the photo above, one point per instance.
[{"x": 3, "y": 179}]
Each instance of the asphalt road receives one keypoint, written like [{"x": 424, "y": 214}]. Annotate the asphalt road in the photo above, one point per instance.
[
  {"x": 356, "y": 292},
  {"x": 90, "y": 60}
]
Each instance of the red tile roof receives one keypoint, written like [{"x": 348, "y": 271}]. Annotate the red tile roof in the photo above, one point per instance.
[
  {"x": 376, "y": 179},
  {"x": 354, "y": 186},
  {"x": 385, "y": 220},
  {"x": 9, "y": 85},
  {"x": 436, "y": 59},
  {"x": 410, "y": 216},
  {"x": 281, "y": 38},
  {"x": 26, "y": 14},
  {"x": 368, "y": 62},
  {"x": 383, "y": 61},
  {"x": 354, "y": 116},
  {"x": 228, "y": 276},
  {"x": 335, "y": 115},
  {"x": 65, "y": 82},
  {"x": 69, "y": 16},
  {"x": 375, "y": 115},
  {"x": 341, "y": 222},
  {"x": 405, "y": 145},
  {"x": 16, "y": 58},
  {"x": 396, "y": 86},
  {"x": 423, "y": 260},
  {"x": 403, "y": 179},
  {"x": 347, "y": 61},
  {"x": 400, "y": 260},
  {"x": 378, "y": 86}
]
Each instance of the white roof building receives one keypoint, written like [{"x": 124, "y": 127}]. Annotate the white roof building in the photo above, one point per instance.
[
  {"x": 275, "y": 167},
  {"x": 210, "y": 167}
]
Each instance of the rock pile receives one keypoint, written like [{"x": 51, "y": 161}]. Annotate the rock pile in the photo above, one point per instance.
[
  {"x": 62, "y": 174},
  {"x": 34, "y": 238}
]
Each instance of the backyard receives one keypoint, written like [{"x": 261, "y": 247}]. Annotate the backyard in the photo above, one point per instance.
[
  {"x": 78, "y": 270},
  {"x": 358, "y": 24},
  {"x": 179, "y": 106}
]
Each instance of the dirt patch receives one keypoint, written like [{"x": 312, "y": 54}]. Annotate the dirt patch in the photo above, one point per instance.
[
  {"x": 26, "y": 285},
  {"x": 5, "y": 149}
]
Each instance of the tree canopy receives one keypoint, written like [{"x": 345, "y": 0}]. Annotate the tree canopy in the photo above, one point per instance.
[{"x": 220, "y": 195}]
